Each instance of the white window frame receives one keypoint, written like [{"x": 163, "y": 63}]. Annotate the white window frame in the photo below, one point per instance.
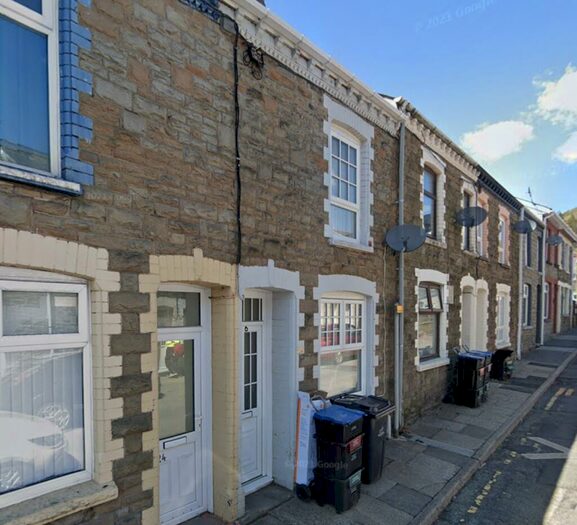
[
  {"x": 441, "y": 280},
  {"x": 47, "y": 24},
  {"x": 546, "y": 299},
  {"x": 502, "y": 232},
  {"x": 526, "y": 305},
  {"x": 343, "y": 299},
  {"x": 467, "y": 233},
  {"x": 503, "y": 328},
  {"x": 353, "y": 142},
  {"x": 51, "y": 342},
  {"x": 342, "y": 120},
  {"x": 479, "y": 234}
]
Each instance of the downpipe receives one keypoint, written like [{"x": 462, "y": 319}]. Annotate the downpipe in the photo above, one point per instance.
[{"x": 399, "y": 307}]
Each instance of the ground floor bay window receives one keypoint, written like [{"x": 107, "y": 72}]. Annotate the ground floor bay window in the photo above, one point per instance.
[
  {"x": 342, "y": 346},
  {"x": 45, "y": 389}
]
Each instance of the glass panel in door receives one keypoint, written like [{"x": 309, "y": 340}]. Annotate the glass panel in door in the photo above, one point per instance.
[{"x": 180, "y": 423}]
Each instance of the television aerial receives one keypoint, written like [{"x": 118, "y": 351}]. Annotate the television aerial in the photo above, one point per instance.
[{"x": 405, "y": 238}]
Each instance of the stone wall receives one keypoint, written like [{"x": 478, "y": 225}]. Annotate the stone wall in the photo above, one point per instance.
[
  {"x": 533, "y": 277},
  {"x": 425, "y": 389}
]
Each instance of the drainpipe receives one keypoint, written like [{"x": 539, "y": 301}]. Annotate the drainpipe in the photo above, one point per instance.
[
  {"x": 543, "y": 272},
  {"x": 399, "y": 311},
  {"x": 522, "y": 246}
]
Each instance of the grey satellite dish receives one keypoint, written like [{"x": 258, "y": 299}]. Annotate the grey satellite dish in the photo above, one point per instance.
[
  {"x": 524, "y": 226},
  {"x": 554, "y": 240},
  {"x": 405, "y": 238},
  {"x": 470, "y": 217}
]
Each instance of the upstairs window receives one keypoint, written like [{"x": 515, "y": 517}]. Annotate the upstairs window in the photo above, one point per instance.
[
  {"x": 528, "y": 249},
  {"x": 467, "y": 232},
  {"x": 29, "y": 87},
  {"x": 502, "y": 241},
  {"x": 540, "y": 254},
  {"x": 344, "y": 213},
  {"x": 430, "y": 203}
]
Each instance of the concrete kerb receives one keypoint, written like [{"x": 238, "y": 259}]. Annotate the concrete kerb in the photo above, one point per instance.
[{"x": 436, "y": 506}]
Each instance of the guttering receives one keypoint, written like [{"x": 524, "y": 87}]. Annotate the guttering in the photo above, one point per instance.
[
  {"x": 562, "y": 225},
  {"x": 408, "y": 108}
]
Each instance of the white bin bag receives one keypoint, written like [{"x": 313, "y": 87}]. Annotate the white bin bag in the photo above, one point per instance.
[{"x": 306, "y": 457}]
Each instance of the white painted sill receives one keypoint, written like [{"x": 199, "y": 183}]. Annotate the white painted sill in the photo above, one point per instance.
[
  {"x": 55, "y": 505},
  {"x": 429, "y": 364},
  {"x": 502, "y": 344},
  {"x": 351, "y": 245},
  {"x": 36, "y": 179},
  {"x": 436, "y": 242}
]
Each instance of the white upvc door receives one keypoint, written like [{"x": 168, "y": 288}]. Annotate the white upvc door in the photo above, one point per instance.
[
  {"x": 255, "y": 400},
  {"x": 184, "y": 420}
]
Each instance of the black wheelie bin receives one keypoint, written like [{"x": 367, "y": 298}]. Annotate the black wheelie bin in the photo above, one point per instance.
[{"x": 376, "y": 411}]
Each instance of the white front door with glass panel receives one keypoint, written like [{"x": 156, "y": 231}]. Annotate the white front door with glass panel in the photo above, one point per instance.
[
  {"x": 255, "y": 417},
  {"x": 183, "y": 374}
]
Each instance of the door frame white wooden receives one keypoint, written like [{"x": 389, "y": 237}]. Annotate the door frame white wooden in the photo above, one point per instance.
[
  {"x": 266, "y": 352},
  {"x": 205, "y": 359}
]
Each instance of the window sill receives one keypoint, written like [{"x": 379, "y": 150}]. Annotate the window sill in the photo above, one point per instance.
[
  {"x": 38, "y": 180},
  {"x": 505, "y": 265},
  {"x": 55, "y": 505},
  {"x": 429, "y": 364},
  {"x": 502, "y": 344},
  {"x": 351, "y": 245},
  {"x": 436, "y": 242},
  {"x": 529, "y": 327},
  {"x": 472, "y": 254}
]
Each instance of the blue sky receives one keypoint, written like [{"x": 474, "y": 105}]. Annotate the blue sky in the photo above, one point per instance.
[{"x": 495, "y": 75}]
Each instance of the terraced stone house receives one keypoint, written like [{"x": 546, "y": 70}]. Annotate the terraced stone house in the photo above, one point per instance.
[{"x": 193, "y": 206}]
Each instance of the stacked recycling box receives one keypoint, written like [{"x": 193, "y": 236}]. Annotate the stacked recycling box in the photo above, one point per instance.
[
  {"x": 339, "y": 434},
  {"x": 473, "y": 372}
]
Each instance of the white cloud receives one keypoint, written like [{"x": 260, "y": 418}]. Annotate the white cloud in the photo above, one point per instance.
[
  {"x": 567, "y": 152},
  {"x": 491, "y": 142},
  {"x": 558, "y": 99}
]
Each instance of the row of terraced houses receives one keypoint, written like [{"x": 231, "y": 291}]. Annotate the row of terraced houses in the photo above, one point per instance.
[{"x": 193, "y": 206}]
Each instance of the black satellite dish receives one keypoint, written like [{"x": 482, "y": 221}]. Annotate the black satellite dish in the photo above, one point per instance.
[
  {"x": 554, "y": 240},
  {"x": 405, "y": 237},
  {"x": 470, "y": 217},
  {"x": 524, "y": 226}
]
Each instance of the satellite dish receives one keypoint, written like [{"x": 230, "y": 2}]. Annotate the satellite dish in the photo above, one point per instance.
[
  {"x": 405, "y": 238},
  {"x": 554, "y": 240},
  {"x": 470, "y": 217},
  {"x": 524, "y": 226}
]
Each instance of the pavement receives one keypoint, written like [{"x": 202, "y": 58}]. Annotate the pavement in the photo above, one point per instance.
[
  {"x": 532, "y": 477},
  {"x": 436, "y": 457}
]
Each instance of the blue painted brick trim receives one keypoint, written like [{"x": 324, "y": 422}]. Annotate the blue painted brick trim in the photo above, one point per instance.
[{"x": 73, "y": 81}]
